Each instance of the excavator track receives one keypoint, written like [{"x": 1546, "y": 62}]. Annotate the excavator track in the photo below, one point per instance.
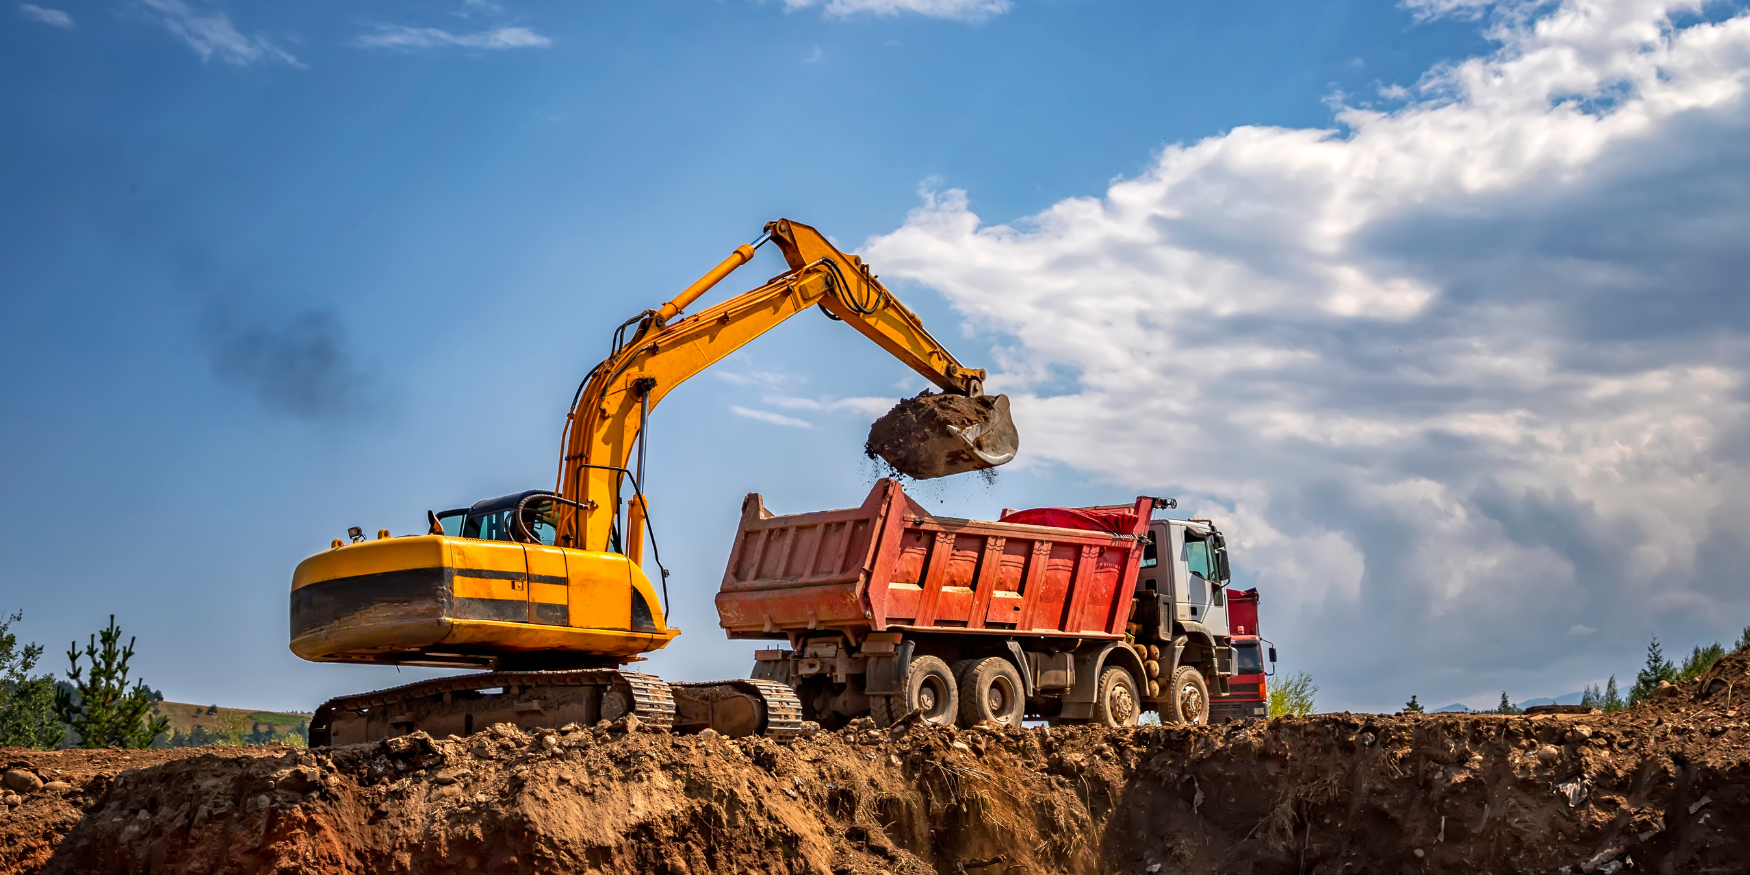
[
  {"x": 465, "y": 704},
  {"x": 724, "y": 706}
]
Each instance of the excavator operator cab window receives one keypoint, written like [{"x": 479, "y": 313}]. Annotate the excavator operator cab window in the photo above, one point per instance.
[
  {"x": 539, "y": 520},
  {"x": 495, "y": 520},
  {"x": 492, "y": 526},
  {"x": 452, "y": 521}
]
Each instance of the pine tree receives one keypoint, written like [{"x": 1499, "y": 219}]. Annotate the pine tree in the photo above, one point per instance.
[
  {"x": 1699, "y": 661},
  {"x": 1507, "y": 706},
  {"x": 1657, "y": 669},
  {"x": 102, "y": 710},
  {"x": 1413, "y": 706},
  {"x": 1591, "y": 699},
  {"x": 1743, "y": 640},
  {"x": 1612, "y": 699},
  {"x": 27, "y": 703}
]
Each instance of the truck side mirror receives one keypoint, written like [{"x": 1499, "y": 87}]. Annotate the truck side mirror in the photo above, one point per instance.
[
  {"x": 1221, "y": 570},
  {"x": 1272, "y": 654}
]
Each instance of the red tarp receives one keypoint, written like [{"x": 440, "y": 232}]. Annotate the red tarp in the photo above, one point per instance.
[{"x": 1117, "y": 522}]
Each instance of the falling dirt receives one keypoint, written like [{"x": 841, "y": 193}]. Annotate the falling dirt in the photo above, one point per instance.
[
  {"x": 914, "y": 436},
  {"x": 1659, "y": 788}
]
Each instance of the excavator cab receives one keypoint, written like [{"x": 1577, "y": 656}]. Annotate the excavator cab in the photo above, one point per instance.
[{"x": 495, "y": 519}]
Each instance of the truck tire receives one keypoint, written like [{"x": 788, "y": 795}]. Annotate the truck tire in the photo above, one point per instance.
[
  {"x": 990, "y": 689},
  {"x": 928, "y": 685},
  {"x": 1188, "y": 698},
  {"x": 1115, "y": 699}
]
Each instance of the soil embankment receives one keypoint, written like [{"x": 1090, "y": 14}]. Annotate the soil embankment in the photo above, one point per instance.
[{"x": 1661, "y": 788}]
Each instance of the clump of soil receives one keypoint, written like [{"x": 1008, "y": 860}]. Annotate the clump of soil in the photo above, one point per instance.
[
  {"x": 1658, "y": 788},
  {"x": 914, "y": 437}
]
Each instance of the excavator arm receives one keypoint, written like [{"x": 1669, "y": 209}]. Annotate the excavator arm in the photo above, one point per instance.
[{"x": 665, "y": 349}]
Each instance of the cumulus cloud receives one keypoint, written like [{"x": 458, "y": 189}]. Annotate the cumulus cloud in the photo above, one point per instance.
[
  {"x": 213, "y": 35},
  {"x": 403, "y": 37},
  {"x": 957, "y": 10},
  {"x": 1457, "y": 376},
  {"x": 52, "y": 17}
]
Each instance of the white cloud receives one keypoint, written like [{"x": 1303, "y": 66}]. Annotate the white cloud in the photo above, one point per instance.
[
  {"x": 870, "y": 408},
  {"x": 1455, "y": 374},
  {"x": 957, "y": 10},
  {"x": 54, "y": 17},
  {"x": 768, "y": 416},
  {"x": 213, "y": 35},
  {"x": 403, "y": 37},
  {"x": 773, "y": 380}
]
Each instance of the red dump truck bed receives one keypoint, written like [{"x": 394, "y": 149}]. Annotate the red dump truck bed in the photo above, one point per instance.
[{"x": 890, "y": 565}]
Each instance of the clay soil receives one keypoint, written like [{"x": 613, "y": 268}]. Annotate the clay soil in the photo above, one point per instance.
[
  {"x": 910, "y": 437},
  {"x": 1659, "y": 788}
]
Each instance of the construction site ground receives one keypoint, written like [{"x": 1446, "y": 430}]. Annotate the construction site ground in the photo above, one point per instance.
[{"x": 1658, "y": 788}]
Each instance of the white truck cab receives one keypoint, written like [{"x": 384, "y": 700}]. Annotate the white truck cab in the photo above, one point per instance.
[{"x": 1188, "y": 563}]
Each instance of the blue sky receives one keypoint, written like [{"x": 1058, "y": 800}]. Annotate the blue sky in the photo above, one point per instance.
[{"x": 1438, "y": 306}]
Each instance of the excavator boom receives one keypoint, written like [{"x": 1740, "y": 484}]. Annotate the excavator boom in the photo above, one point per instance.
[{"x": 615, "y": 401}]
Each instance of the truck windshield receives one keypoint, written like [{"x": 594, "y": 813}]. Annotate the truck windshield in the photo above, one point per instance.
[
  {"x": 1247, "y": 659},
  {"x": 1197, "y": 559}
]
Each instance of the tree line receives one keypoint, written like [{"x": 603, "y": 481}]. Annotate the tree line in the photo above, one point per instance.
[
  {"x": 98, "y": 704},
  {"x": 1658, "y": 669}
]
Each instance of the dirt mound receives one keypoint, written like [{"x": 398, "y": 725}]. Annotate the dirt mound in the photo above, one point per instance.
[
  {"x": 915, "y": 438},
  {"x": 1660, "y": 788}
]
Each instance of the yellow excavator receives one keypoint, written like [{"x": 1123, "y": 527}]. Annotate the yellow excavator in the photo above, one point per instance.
[{"x": 548, "y": 591}]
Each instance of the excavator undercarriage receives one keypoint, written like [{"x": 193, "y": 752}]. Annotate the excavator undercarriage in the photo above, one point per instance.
[{"x": 535, "y": 699}]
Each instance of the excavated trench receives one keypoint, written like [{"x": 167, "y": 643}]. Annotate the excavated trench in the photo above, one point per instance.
[{"x": 1659, "y": 788}]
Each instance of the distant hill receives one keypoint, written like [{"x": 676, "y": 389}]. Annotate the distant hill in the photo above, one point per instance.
[
  {"x": 1459, "y": 707},
  {"x": 197, "y": 725}
]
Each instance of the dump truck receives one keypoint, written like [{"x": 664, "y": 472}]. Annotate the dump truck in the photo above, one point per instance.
[
  {"x": 1071, "y": 615},
  {"x": 1248, "y": 691},
  {"x": 550, "y": 593}
]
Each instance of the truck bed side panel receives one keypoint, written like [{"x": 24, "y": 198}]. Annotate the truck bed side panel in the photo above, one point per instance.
[{"x": 890, "y": 565}]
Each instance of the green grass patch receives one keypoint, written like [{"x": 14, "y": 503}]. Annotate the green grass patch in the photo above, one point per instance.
[{"x": 278, "y": 719}]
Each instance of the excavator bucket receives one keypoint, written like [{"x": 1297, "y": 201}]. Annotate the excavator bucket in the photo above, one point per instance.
[{"x": 934, "y": 435}]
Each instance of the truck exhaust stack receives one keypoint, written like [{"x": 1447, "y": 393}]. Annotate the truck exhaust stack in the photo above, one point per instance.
[{"x": 933, "y": 435}]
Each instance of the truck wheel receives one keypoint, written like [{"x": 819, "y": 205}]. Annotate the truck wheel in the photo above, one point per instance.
[
  {"x": 928, "y": 687},
  {"x": 990, "y": 689},
  {"x": 1188, "y": 697},
  {"x": 1115, "y": 700}
]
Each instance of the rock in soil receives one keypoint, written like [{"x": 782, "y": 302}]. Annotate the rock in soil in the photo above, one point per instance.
[
  {"x": 914, "y": 438},
  {"x": 1658, "y": 788}
]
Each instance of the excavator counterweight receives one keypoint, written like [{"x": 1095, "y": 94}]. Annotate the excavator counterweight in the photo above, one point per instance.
[{"x": 549, "y": 591}]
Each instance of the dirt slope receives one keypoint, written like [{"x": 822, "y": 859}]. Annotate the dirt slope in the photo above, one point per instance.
[{"x": 1661, "y": 788}]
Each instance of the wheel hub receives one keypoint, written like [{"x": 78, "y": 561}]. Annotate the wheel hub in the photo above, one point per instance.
[
  {"x": 1122, "y": 706},
  {"x": 1190, "y": 703}
]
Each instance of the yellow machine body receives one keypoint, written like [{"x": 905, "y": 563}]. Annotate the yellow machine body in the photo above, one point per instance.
[{"x": 465, "y": 602}]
